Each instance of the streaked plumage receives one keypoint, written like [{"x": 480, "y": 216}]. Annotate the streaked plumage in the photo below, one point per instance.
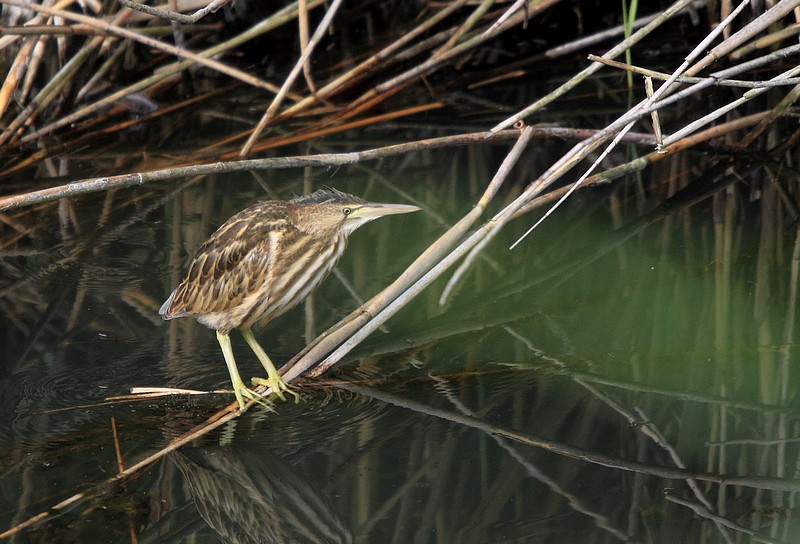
[
  {"x": 250, "y": 495},
  {"x": 262, "y": 262}
]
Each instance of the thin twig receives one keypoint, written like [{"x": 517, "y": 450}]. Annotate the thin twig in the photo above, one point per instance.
[
  {"x": 172, "y": 15},
  {"x": 716, "y": 114},
  {"x": 83, "y": 187},
  {"x": 702, "y": 511},
  {"x": 117, "y": 450},
  {"x": 745, "y": 84}
]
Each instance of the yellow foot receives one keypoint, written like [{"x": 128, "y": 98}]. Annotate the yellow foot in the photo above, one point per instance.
[
  {"x": 243, "y": 392},
  {"x": 278, "y": 386}
]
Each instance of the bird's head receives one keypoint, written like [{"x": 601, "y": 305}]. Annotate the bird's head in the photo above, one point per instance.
[{"x": 332, "y": 212}]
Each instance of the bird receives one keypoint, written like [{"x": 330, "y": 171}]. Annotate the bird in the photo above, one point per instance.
[{"x": 262, "y": 262}]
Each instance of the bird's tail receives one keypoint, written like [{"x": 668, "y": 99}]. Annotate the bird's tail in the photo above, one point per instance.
[{"x": 166, "y": 311}]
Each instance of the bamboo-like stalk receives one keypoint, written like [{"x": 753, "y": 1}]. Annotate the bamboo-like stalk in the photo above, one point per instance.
[{"x": 372, "y": 315}]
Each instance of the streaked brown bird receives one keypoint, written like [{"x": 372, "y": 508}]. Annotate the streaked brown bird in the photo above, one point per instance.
[{"x": 264, "y": 261}]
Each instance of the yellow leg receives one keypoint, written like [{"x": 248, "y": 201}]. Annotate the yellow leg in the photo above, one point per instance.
[
  {"x": 239, "y": 388},
  {"x": 273, "y": 381}
]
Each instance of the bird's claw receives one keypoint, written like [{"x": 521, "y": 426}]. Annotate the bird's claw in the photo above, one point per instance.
[
  {"x": 278, "y": 386},
  {"x": 243, "y": 392}
]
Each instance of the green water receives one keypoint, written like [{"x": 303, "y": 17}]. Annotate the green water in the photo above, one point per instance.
[{"x": 565, "y": 392}]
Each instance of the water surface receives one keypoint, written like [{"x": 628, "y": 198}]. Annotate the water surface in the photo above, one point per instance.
[{"x": 567, "y": 390}]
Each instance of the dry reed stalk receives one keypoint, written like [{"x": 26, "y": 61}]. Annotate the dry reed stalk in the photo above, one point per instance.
[
  {"x": 640, "y": 163},
  {"x": 121, "y": 32},
  {"x": 326, "y": 129},
  {"x": 457, "y": 243},
  {"x": 302, "y": 63},
  {"x": 650, "y": 104},
  {"x": 675, "y": 9},
  {"x": 274, "y": 21},
  {"x": 14, "y": 76},
  {"x": 302, "y": 27},
  {"x": 713, "y": 79},
  {"x": 51, "y": 91},
  {"x": 471, "y": 21},
  {"x": 581, "y": 150},
  {"x": 348, "y": 78},
  {"x": 393, "y": 85},
  {"x": 517, "y": 69}
]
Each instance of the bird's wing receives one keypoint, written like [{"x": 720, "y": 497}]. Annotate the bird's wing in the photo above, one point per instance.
[{"x": 232, "y": 264}]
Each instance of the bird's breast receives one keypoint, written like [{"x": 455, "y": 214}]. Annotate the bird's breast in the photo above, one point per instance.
[{"x": 299, "y": 272}]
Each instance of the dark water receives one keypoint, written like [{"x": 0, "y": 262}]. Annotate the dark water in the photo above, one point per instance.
[{"x": 568, "y": 391}]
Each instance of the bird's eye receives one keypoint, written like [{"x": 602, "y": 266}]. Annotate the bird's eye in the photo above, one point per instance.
[{"x": 347, "y": 211}]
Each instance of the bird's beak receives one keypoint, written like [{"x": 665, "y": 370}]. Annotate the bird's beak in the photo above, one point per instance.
[{"x": 374, "y": 210}]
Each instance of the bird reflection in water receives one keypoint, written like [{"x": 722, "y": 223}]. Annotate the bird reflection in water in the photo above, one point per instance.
[{"x": 251, "y": 497}]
